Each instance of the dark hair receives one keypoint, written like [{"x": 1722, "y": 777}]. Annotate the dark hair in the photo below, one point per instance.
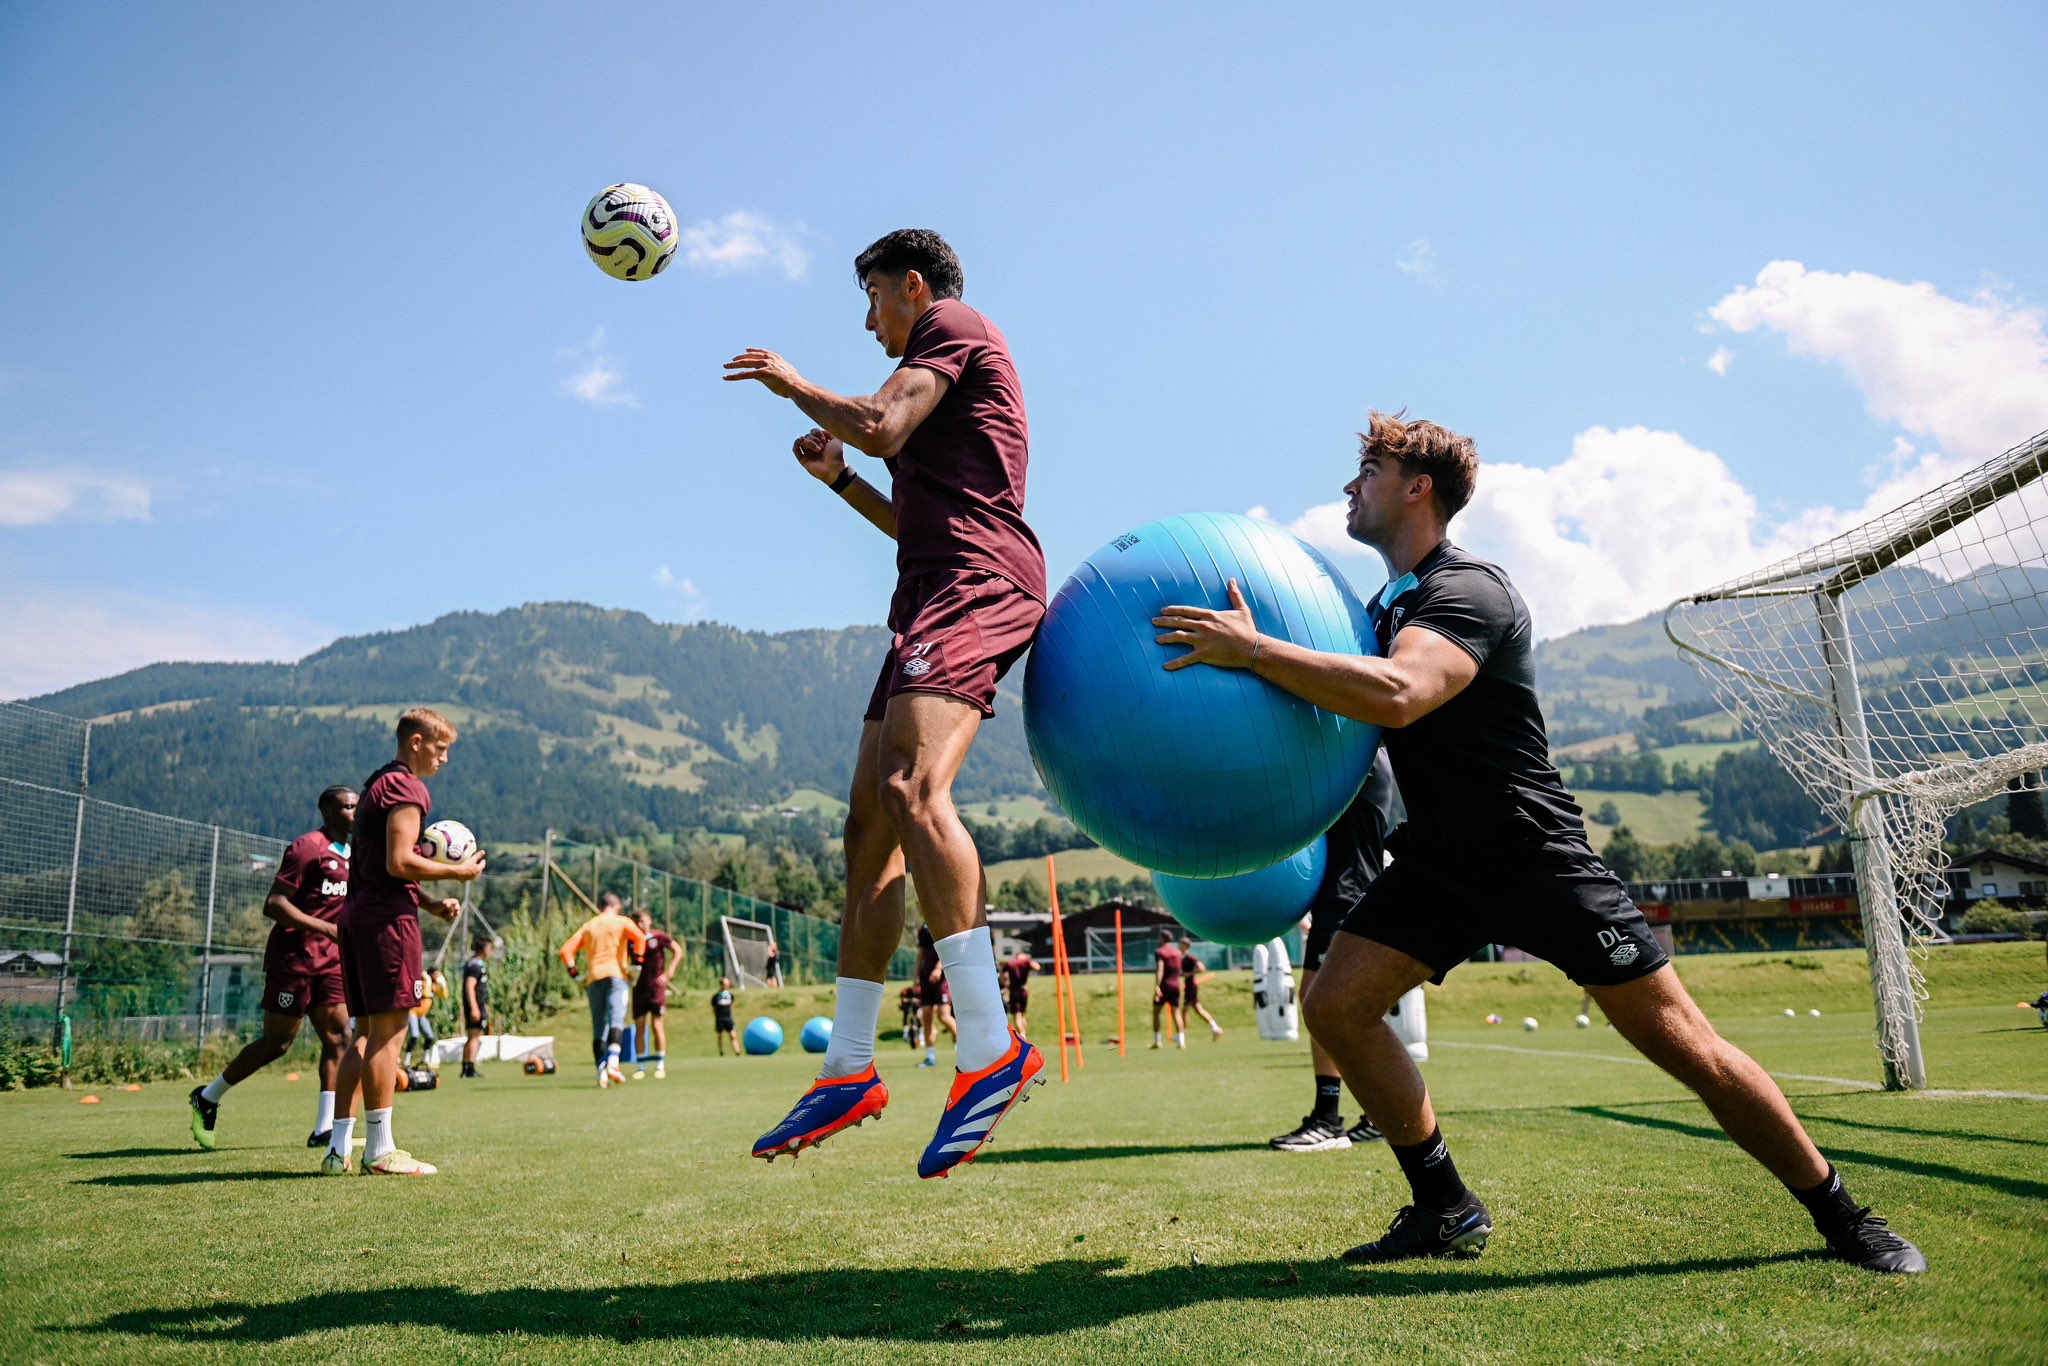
[
  {"x": 1451, "y": 461},
  {"x": 331, "y": 797},
  {"x": 480, "y": 943},
  {"x": 908, "y": 249},
  {"x": 605, "y": 899}
]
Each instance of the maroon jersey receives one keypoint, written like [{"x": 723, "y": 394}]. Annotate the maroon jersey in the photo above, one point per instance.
[
  {"x": 373, "y": 894},
  {"x": 654, "y": 958},
  {"x": 1017, "y": 972},
  {"x": 1170, "y": 963},
  {"x": 958, "y": 488},
  {"x": 313, "y": 875}
]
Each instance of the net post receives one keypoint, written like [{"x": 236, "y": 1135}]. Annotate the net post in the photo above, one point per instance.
[
  {"x": 77, "y": 851},
  {"x": 1120, "y": 981},
  {"x": 206, "y": 960},
  {"x": 1898, "y": 1026},
  {"x": 547, "y": 864}
]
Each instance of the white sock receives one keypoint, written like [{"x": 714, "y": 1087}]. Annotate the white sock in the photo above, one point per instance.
[
  {"x": 856, "y": 1010},
  {"x": 1155, "y": 1038},
  {"x": 212, "y": 1092},
  {"x": 323, "y": 1113},
  {"x": 344, "y": 1130},
  {"x": 969, "y": 959},
  {"x": 1181, "y": 1039},
  {"x": 377, "y": 1134},
  {"x": 611, "y": 1056}
]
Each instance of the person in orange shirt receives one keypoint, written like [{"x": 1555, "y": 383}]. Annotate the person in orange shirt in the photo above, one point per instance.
[{"x": 612, "y": 943}]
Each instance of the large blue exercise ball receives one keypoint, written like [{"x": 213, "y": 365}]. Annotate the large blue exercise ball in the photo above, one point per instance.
[
  {"x": 1251, "y": 908},
  {"x": 1202, "y": 772},
  {"x": 817, "y": 1034},
  {"x": 762, "y": 1037}
]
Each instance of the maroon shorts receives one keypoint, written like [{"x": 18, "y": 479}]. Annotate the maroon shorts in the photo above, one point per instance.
[
  {"x": 298, "y": 993},
  {"x": 653, "y": 1001},
  {"x": 383, "y": 966},
  {"x": 1020, "y": 1000},
  {"x": 957, "y": 633},
  {"x": 1167, "y": 996}
]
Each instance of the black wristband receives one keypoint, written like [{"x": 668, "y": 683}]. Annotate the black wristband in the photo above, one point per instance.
[{"x": 846, "y": 477}]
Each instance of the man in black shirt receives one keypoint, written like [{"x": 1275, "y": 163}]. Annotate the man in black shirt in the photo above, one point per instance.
[
  {"x": 476, "y": 1001},
  {"x": 1494, "y": 851},
  {"x": 721, "y": 1017}
]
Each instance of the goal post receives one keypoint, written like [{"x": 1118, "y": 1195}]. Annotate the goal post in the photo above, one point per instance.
[
  {"x": 1899, "y": 672},
  {"x": 748, "y": 944}
]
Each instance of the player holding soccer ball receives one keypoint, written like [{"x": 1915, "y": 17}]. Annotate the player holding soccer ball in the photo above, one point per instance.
[
  {"x": 1455, "y": 689},
  {"x": 970, "y": 592},
  {"x": 301, "y": 967},
  {"x": 382, "y": 963}
]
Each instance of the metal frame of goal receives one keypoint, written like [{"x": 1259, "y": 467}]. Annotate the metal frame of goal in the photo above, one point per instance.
[
  {"x": 746, "y": 953},
  {"x": 1899, "y": 672}
]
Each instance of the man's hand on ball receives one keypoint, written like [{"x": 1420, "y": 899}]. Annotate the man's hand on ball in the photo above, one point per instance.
[
  {"x": 470, "y": 869},
  {"x": 777, "y": 374},
  {"x": 1226, "y": 639},
  {"x": 447, "y": 907},
  {"x": 823, "y": 456}
]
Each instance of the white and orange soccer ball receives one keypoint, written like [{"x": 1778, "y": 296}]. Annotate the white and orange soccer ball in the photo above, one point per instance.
[
  {"x": 447, "y": 842},
  {"x": 630, "y": 232}
]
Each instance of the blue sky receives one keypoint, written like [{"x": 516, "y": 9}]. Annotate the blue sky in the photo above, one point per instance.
[{"x": 296, "y": 338}]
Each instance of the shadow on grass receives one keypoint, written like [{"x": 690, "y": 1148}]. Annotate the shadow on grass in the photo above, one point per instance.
[
  {"x": 2009, "y": 1185},
  {"x": 1960, "y": 1134},
  {"x": 187, "y": 1151},
  {"x": 189, "y": 1178},
  {"x": 1113, "y": 1151},
  {"x": 896, "y": 1305}
]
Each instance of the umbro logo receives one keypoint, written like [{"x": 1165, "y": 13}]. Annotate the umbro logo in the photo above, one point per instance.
[
  {"x": 917, "y": 666},
  {"x": 1624, "y": 954}
]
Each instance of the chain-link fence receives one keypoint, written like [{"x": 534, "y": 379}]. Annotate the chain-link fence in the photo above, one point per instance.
[{"x": 140, "y": 926}]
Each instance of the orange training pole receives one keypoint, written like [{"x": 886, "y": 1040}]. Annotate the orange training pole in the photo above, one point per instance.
[
  {"x": 1120, "y": 981},
  {"x": 1073, "y": 1010},
  {"x": 1059, "y": 959}
]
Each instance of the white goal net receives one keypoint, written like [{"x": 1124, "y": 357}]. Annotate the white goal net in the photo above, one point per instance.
[
  {"x": 748, "y": 946},
  {"x": 1900, "y": 673}
]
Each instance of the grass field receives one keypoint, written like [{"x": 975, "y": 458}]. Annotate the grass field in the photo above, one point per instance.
[
  {"x": 1074, "y": 863},
  {"x": 1656, "y": 818},
  {"x": 1134, "y": 1215}
]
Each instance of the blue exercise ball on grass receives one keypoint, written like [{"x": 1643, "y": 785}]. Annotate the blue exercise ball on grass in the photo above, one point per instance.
[
  {"x": 762, "y": 1037},
  {"x": 817, "y": 1034},
  {"x": 1202, "y": 772},
  {"x": 1251, "y": 908}
]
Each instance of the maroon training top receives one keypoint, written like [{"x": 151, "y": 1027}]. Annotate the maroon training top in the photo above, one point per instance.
[
  {"x": 374, "y": 895},
  {"x": 1020, "y": 971},
  {"x": 653, "y": 958},
  {"x": 1169, "y": 958},
  {"x": 314, "y": 876},
  {"x": 959, "y": 480}
]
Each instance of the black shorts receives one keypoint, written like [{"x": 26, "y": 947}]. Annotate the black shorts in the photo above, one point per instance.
[
  {"x": 1323, "y": 923},
  {"x": 931, "y": 993},
  {"x": 480, "y": 1023},
  {"x": 721, "y": 1024},
  {"x": 1568, "y": 910}
]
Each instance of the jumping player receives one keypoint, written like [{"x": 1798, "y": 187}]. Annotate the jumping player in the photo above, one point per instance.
[
  {"x": 970, "y": 593},
  {"x": 611, "y": 942},
  {"x": 1017, "y": 972},
  {"x": 383, "y": 972},
  {"x": 1191, "y": 971},
  {"x": 1455, "y": 690},
  {"x": 301, "y": 967},
  {"x": 1357, "y": 851},
  {"x": 658, "y": 962},
  {"x": 1167, "y": 983},
  {"x": 721, "y": 1017},
  {"x": 476, "y": 1001}
]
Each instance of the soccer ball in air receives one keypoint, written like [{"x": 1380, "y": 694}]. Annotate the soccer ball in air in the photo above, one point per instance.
[
  {"x": 630, "y": 232},
  {"x": 447, "y": 842}
]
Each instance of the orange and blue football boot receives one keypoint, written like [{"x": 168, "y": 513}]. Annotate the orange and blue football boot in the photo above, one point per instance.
[
  {"x": 977, "y": 1103},
  {"x": 830, "y": 1105}
]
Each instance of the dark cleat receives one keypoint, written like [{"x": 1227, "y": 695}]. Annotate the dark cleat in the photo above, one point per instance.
[
  {"x": 319, "y": 1140},
  {"x": 1363, "y": 1132},
  {"x": 1417, "y": 1232},
  {"x": 1865, "y": 1241},
  {"x": 1314, "y": 1136}
]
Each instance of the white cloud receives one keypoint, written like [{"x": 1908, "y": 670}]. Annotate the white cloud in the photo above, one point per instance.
[
  {"x": 54, "y": 639},
  {"x": 1970, "y": 374},
  {"x": 1719, "y": 361},
  {"x": 744, "y": 240},
  {"x": 1418, "y": 259},
  {"x": 69, "y": 494},
  {"x": 597, "y": 378},
  {"x": 684, "y": 588}
]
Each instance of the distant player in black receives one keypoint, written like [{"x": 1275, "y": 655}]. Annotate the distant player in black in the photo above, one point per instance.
[
  {"x": 721, "y": 1017},
  {"x": 1455, "y": 689},
  {"x": 476, "y": 1001}
]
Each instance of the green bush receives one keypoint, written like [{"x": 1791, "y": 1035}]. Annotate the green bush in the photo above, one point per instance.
[{"x": 1995, "y": 917}]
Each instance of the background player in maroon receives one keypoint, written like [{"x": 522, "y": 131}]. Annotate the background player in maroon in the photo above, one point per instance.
[
  {"x": 1017, "y": 970},
  {"x": 658, "y": 961},
  {"x": 301, "y": 966},
  {"x": 970, "y": 593},
  {"x": 383, "y": 968},
  {"x": 1192, "y": 971},
  {"x": 1166, "y": 985}
]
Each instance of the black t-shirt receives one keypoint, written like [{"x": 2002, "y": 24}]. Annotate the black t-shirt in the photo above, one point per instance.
[
  {"x": 1476, "y": 772},
  {"x": 721, "y": 1005},
  {"x": 477, "y": 971},
  {"x": 1357, "y": 843}
]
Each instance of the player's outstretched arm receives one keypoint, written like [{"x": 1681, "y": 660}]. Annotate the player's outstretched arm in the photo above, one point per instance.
[
  {"x": 877, "y": 425},
  {"x": 1423, "y": 671},
  {"x": 823, "y": 457}
]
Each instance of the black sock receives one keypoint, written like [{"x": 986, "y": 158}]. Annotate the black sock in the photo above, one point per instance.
[
  {"x": 1829, "y": 1203},
  {"x": 1431, "y": 1174},
  {"x": 597, "y": 1051},
  {"x": 614, "y": 1038},
  {"x": 1329, "y": 1095}
]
